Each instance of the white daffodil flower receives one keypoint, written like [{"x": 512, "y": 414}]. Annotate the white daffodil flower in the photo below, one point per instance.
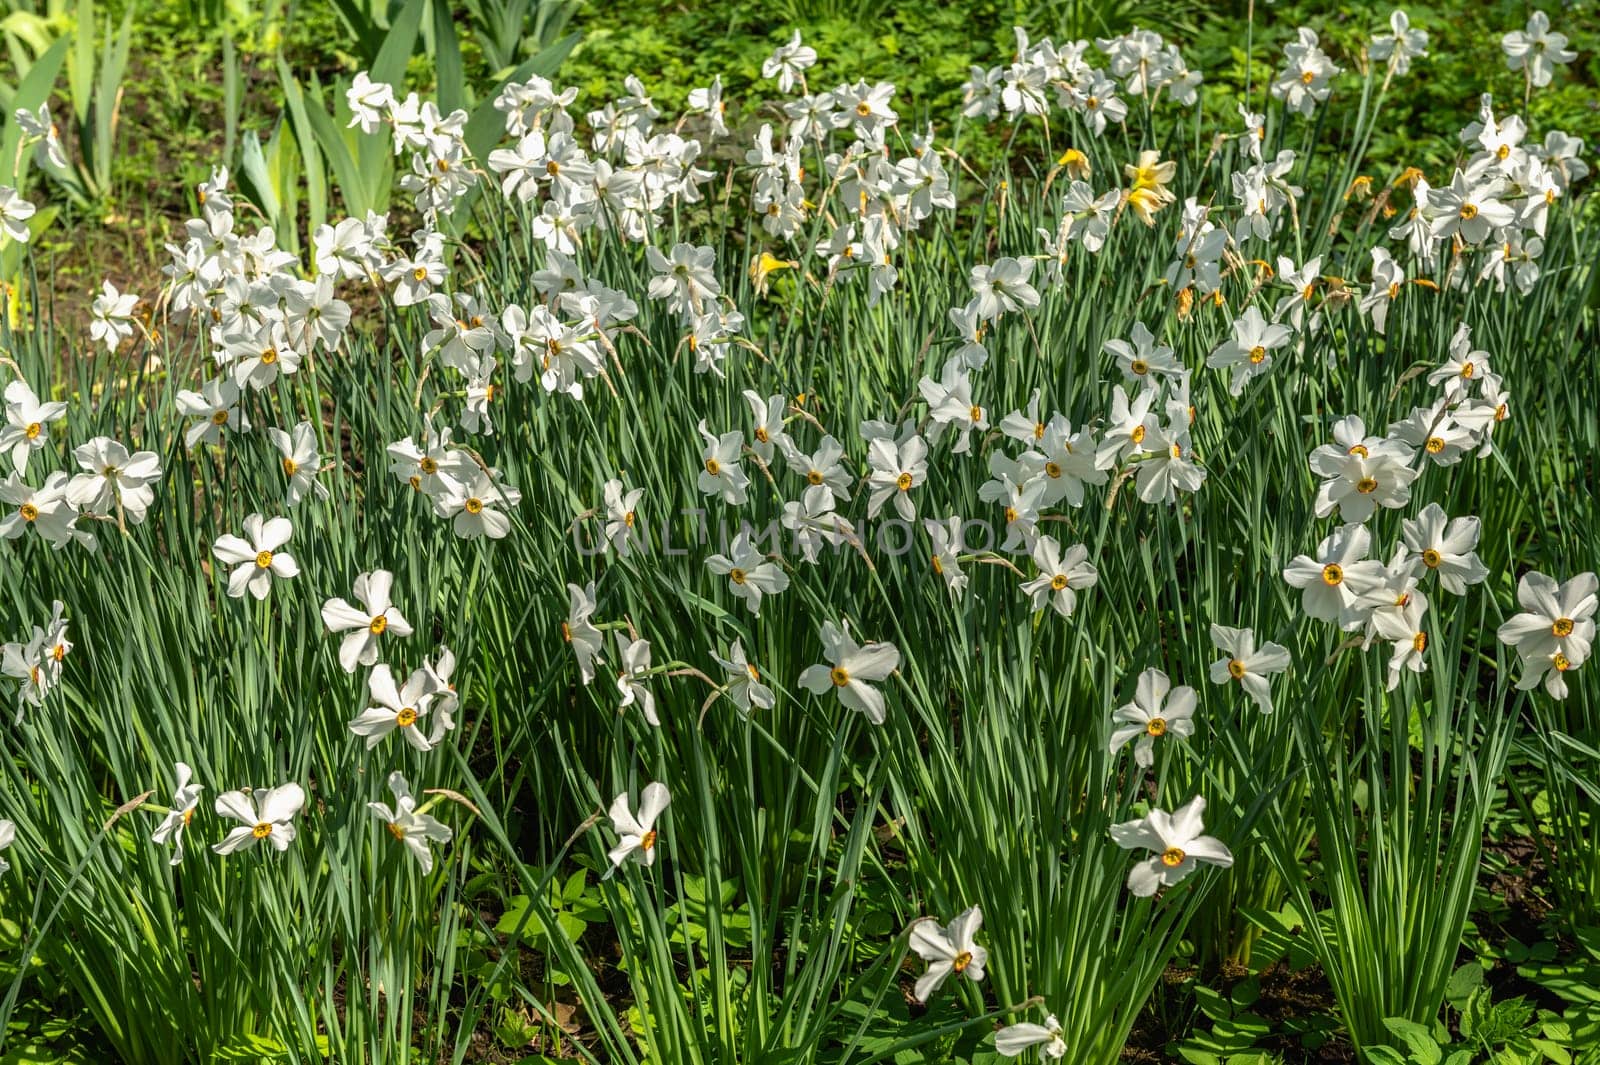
[
  {"x": 267, "y": 815},
  {"x": 947, "y": 950},
  {"x": 8, "y": 836},
  {"x": 1399, "y": 46},
  {"x": 1247, "y": 664},
  {"x": 1402, "y": 626},
  {"x": 897, "y": 468},
  {"x": 477, "y": 505},
  {"x": 363, "y": 626},
  {"x": 768, "y": 436},
  {"x": 945, "y": 537},
  {"x": 111, "y": 320},
  {"x": 751, "y": 575},
  {"x": 1333, "y": 581},
  {"x": 577, "y": 630},
  {"x": 14, "y": 214},
  {"x": 720, "y": 472},
  {"x": 634, "y": 656},
  {"x": 622, "y": 514},
  {"x": 26, "y": 426},
  {"x": 1142, "y": 357},
  {"x": 1445, "y": 547},
  {"x": 1178, "y": 842},
  {"x": 637, "y": 836},
  {"x": 299, "y": 458},
  {"x": 1062, "y": 575},
  {"x": 216, "y": 406},
  {"x": 413, "y": 829},
  {"x": 850, "y": 671},
  {"x": 45, "y": 510},
  {"x": 185, "y": 801},
  {"x": 1157, "y": 710},
  {"x": 397, "y": 707},
  {"x": 1015, "y": 1039},
  {"x": 1360, "y": 484},
  {"x": 433, "y": 468},
  {"x": 1536, "y": 50},
  {"x": 789, "y": 63},
  {"x": 1249, "y": 353},
  {"x": 256, "y": 556},
  {"x": 1554, "y": 633},
  {"x": 113, "y": 479},
  {"x": 744, "y": 685}
]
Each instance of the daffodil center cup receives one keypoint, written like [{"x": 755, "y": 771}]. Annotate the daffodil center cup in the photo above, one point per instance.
[
  {"x": 1173, "y": 857},
  {"x": 839, "y": 675},
  {"x": 263, "y": 559},
  {"x": 1332, "y": 575},
  {"x": 1562, "y": 628},
  {"x": 1236, "y": 669},
  {"x": 1156, "y": 726}
]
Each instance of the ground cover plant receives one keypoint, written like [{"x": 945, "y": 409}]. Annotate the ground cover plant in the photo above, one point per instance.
[{"x": 759, "y": 584}]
